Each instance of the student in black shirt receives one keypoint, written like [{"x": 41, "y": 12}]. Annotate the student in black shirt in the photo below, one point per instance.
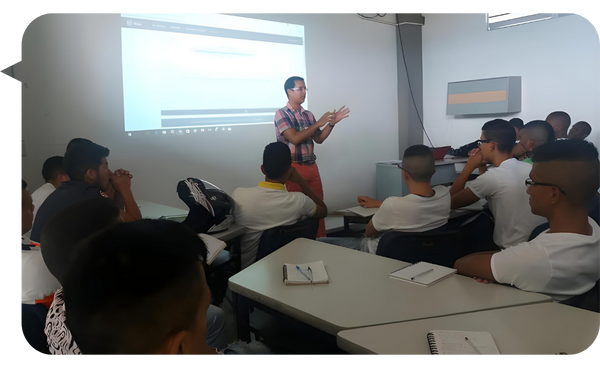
[{"x": 87, "y": 167}]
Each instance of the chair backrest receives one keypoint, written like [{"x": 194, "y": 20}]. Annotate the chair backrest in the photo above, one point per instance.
[
  {"x": 589, "y": 300},
  {"x": 33, "y": 321},
  {"x": 594, "y": 208},
  {"x": 277, "y": 237},
  {"x": 442, "y": 246},
  {"x": 538, "y": 230}
]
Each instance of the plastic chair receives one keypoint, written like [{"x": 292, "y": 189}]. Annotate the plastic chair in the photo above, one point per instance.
[
  {"x": 33, "y": 321},
  {"x": 442, "y": 246},
  {"x": 277, "y": 237},
  {"x": 589, "y": 300}
]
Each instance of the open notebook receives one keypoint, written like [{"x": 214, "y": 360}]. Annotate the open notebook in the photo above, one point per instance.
[
  {"x": 361, "y": 211},
  {"x": 213, "y": 245},
  {"x": 461, "y": 342},
  {"x": 422, "y": 273}
]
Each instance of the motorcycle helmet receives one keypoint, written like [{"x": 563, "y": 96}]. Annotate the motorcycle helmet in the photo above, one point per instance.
[{"x": 211, "y": 210}]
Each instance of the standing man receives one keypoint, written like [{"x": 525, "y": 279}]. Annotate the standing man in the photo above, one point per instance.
[{"x": 305, "y": 130}]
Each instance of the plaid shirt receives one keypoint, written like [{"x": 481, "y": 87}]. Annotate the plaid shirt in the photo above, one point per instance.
[{"x": 286, "y": 118}]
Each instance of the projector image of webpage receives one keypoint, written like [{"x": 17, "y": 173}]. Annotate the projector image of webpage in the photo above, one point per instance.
[{"x": 206, "y": 70}]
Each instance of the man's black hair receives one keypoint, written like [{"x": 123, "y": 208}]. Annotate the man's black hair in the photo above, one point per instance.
[
  {"x": 52, "y": 167},
  {"x": 418, "y": 160},
  {"x": 23, "y": 184},
  {"x": 540, "y": 129},
  {"x": 277, "y": 159},
  {"x": 562, "y": 116},
  {"x": 501, "y": 132},
  {"x": 134, "y": 285},
  {"x": 588, "y": 127},
  {"x": 291, "y": 83},
  {"x": 82, "y": 157},
  {"x": 516, "y": 122},
  {"x": 566, "y": 150},
  {"x": 76, "y": 141}
]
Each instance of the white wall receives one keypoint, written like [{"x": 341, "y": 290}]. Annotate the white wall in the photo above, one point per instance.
[
  {"x": 71, "y": 64},
  {"x": 558, "y": 60}
]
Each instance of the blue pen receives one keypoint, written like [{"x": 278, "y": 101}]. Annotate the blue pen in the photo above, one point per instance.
[{"x": 302, "y": 272}]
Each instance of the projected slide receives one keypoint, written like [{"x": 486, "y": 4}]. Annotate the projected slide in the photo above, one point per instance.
[{"x": 205, "y": 70}]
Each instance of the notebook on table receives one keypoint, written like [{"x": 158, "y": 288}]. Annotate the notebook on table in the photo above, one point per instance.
[
  {"x": 362, "y": 211},
  {"x": 304, "y": 274},
  {"x": 422, "y": 273},
  {"x": 461, "y": 342}
]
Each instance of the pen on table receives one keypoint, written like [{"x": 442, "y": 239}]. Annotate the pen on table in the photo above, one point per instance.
[
  {"x": 302, "y": 272},
  {"x": 473, "y": 346},
  {"x": 422, "y": 273}
]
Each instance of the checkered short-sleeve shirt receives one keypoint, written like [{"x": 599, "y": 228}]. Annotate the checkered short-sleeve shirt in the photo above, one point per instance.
[{"x": 286, "y": 118}]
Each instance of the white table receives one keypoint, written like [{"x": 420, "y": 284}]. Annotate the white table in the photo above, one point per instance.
[
  {"x": 154, "y": 211},
  {"x": 360, "y": 292},
  {"x": 547, "y": 328}
]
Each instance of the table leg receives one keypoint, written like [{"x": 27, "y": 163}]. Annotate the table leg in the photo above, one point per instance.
[{"x": 242, "y": 314}]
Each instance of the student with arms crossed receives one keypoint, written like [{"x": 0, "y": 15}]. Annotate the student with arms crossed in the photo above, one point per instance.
[
  {"x": 425, "y": 208},
  {"x": 563, "y": 261},
  {"x": 501, "y": 185},
  {"x": 269, "y": 204}
]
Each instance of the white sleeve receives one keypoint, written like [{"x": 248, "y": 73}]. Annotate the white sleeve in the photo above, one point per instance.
[
  {"x": 384, "y": 218},
  {"x": 484, "y": 185},
  {"x": 524, "y": 265},
  {"x": 308, "y": 207}
]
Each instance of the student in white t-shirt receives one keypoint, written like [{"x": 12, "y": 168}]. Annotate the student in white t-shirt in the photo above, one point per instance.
[
  {"x": 425, "y": 208},
  {"x": 501, "y": 185},
  {"x": 563, "y": 261},
  {"x": 269, "y": 204}
]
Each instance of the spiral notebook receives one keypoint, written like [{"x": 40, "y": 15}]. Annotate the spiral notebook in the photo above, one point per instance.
[
  {"x": 423, "y": 273},
  {"x": 304, "y": 274},
  {"x": 461, "y": 342}
]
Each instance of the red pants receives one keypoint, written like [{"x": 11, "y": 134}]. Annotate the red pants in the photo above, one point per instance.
[{"x": 311, "y": 174}]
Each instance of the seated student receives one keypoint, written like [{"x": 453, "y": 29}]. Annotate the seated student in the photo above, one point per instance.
[
  {"x": 532, "y": 135},
  {"x": 564, "y": 260},
  {"x": 54, "y": 174},
  {"x": 560, "y": 122},
  {"x": 149, "y": 292},
  {"x": 37, "y": 283},
  {"x": 269, "y": 205},
  {"x": 87, "y": 167},
  {"x": 501, "y": 185},
  {"x": 517, "y": 124},
  {"x": 580, "y": 130},
  {"x": 425, "y": 208},
  {"x": 150, "y": 295},
  {"x": 60, "y": 237}
]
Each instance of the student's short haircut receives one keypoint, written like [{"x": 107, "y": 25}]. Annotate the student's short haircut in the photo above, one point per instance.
[
  {"x": 277, "y": 158},
  {"x": 541, "y": 131},
  {"x": 419, "y": 162},
  {"x": 82, "y": 157},
  {"x": 581, "y": 169},
  {"x": 22, "y": 187},
  {"x": 501, "y": 132},
  {"x": 76, "y": 141},
  {"x": 134, "y": 285},
  {"x": 563, "y": 117},
  {"x": 52, "y": 167},
  {"x": 516, "y": 122},
  {"x": 587, "y": 127},
  {"x": 291, "y": 83},
  {"x": 65, "y": 229}
]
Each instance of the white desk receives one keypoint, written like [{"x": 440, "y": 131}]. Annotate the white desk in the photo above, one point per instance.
[
  {"x": 360, "y": 292},
  {"x": 546, "y": 328},
  {"x": 155, "y": 211}
]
